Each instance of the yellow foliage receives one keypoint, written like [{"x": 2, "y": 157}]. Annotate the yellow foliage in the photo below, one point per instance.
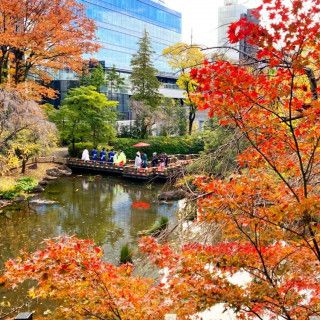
[
  {"x": 7, "y": 184},
  {"x": 182, "y": 56}
]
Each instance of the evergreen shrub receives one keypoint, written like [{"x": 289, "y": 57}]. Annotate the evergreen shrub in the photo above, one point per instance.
[{"x": 170, "y": 145}]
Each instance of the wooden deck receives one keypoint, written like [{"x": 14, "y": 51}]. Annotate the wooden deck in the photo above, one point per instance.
[{"x": 176, "y": 165}]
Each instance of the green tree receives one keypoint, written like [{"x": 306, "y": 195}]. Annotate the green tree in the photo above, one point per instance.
[
  {"x": 114, "y": 81},
  {"x": 145, "y": 86},
  {"x": 173, "y": 118},
  {"x": 85, "y": 115},
  {"x": 182, "y": 57},
  {"x": 34, "y": 141},
  {"x": 93, "y": 77},
  {"x": 222, "y": 145}
]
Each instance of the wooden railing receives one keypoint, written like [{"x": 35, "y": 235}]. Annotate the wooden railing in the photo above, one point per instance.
[{"x": 174, "y": 168}]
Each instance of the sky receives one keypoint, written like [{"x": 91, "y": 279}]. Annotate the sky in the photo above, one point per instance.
[{"x": 202, "y": 17}]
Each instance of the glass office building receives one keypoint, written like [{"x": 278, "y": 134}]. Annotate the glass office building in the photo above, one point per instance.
[{"x": 120, "y": 25}]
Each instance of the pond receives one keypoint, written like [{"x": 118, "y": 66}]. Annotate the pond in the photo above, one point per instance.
[{"x": 94, "y": 207}]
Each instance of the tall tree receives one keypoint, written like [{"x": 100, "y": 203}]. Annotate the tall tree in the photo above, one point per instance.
[
  {"x": 93, "y": 77},
  {"x": 182, "y": 57},
  {"x": 145, "y": 85},
  {"x": 85, "y": 115},
  {"x": 38, "y": 37},
  {"x": 114, "y": 81}
]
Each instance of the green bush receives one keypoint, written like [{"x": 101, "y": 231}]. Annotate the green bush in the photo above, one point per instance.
[
  {"x": 25, "y": 184},
  {"x": 78, "y": 149},
  {"x": 8, "y": 195},
  {"x": 22, "y": 185},
  {"x": 170, "y": 145}
]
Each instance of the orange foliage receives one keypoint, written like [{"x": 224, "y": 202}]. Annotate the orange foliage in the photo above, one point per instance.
[
  {"x": 269, "y": 211},
  {"x": 38, "y": 38},
  {"x": 72, "y": 272}
]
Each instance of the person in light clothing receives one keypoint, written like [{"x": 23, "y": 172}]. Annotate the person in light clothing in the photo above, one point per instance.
[
  {"x": 121, "y": 159},
  {"x": 85, "y": 155},
  {"x": 137, "y": 161}
]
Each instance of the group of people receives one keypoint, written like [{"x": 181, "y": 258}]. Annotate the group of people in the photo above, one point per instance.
[
  {"x": 141, "y": 160},
  {"x": 117, "y": 158},
  {"x": 120, "y": 159}
]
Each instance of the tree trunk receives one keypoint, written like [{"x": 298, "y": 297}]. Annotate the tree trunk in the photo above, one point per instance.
[
  {"x": 313, "y": 83},
  {"x": 144, "y": 130},
  {"x": 24, "y": 163},
  {"x": 73, "y": 145},
  {"x": 192, "y": 116}
]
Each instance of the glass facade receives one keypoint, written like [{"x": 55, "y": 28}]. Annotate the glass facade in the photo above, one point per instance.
[{"x": 121, "y": 24}]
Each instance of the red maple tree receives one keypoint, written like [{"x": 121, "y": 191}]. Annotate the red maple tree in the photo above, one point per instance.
[{"x": 268, "y": 212}]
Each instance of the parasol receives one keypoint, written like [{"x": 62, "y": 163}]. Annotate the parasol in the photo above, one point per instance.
[{"x": 141, "y": 145}]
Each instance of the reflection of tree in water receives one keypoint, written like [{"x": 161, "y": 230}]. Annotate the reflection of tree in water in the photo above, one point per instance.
[
  {"x": 141, "y": 219},
  {"x": 23, "y": 229},
  {"x": 87, "y": 210},
  {"x": 89, "y": 207}
]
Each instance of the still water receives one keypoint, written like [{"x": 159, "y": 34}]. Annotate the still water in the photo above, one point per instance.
[{"x": 95, "y": 207}]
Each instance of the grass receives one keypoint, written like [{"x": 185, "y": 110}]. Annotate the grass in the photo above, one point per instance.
[
  {"x": 125, "y": 254},
  {"x": 159, "y": 226},
  {"x": 11, "y": 188},
  {"x": 17, "y": 184}
]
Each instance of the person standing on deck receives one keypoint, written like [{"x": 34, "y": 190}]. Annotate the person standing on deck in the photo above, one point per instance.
[
  {"x": 137, "y": 161},
  {"x": 110, "y": 156},
  {"x": 166, "y": 159},
  {"x": 94, "y": 154},
  {"x": 155, "y": 160},
  {"x": 115, "y": 157},
  {"x": 103, "y": 155},
  {"x": 121, "y": 159},
  {"x": 85, "y": 155},
  {"x": 144, "y": 160}
]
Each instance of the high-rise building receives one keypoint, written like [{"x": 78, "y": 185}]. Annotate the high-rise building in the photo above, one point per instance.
[
  {"x": 120, "y": 25},
  {"x": 247, "y": 50},
  {"x": 230, "y": 12}
]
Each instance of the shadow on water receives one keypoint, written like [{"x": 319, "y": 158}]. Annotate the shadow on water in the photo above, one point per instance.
[{"x": 99, "y": 208}]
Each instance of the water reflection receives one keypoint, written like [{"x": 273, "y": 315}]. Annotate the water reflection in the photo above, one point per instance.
[
  {"x": 89, "y": 207},
  {"x": 98, "y": 208}
]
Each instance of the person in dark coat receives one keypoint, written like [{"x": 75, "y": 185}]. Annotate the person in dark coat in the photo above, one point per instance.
[
  {"x": 144, "y": 160},
  {"x": 166, "y": 159},
  {"x": 110, "y": 156},
  {"x": 103, "y": 155},
  {"x": 94, "y": 154},
  {"x": 155, "y": 160}
]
